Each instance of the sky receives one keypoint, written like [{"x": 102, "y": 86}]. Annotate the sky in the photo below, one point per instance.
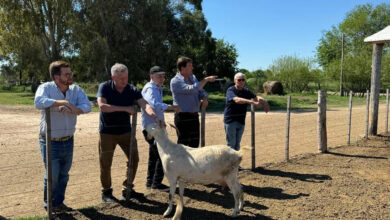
[{"x": 265, "y": 30}]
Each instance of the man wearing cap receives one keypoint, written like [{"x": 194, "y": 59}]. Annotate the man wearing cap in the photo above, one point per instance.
[
  {"x": 153, "y": 93},
  {"x": 65, "y": 101},
  {"x": 116, "y": 98},
  {"x": 188, "y": 94},
  {"x": 237, "y": 100}
]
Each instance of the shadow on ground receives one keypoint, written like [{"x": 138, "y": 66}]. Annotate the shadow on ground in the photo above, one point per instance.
[{"x": 316, "y": 178}]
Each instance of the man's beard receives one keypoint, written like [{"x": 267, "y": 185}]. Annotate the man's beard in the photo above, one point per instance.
[{"x": 67, "y": 82}]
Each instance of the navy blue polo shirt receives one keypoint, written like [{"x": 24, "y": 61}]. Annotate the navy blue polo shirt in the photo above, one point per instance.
[
  {"x": 116, "y": 122},
  {"x": 234, "y": 111}
]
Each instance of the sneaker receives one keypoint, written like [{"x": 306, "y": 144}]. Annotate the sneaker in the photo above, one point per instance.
[
  {"x": 107, "y": 197},
  {"x": 161, "y": 187},
  {"x": 133, "y": 194}
]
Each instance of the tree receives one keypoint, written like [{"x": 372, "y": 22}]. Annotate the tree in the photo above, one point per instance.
[
  {"x": 34, "y": 32},
  {"x": 361, "y": 22},
  {"x": 295, "y": 74}
]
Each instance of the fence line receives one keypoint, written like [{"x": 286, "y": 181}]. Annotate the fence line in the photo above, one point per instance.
[{"x": 21, "y": 178}]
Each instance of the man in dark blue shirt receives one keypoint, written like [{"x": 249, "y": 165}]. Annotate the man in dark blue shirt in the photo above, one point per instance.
[
  {"x": 116, "y": 98},
  {"x": 237, "y": 100}
]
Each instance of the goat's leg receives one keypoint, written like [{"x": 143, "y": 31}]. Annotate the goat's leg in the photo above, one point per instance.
[
  {"x": 172, "y": 189},
  {"x": 241, "y": 196},
  {"x": 231, "y": 182},
  {"x": 180, "y": 204}
]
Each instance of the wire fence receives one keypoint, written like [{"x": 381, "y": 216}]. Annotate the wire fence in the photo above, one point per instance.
[{"x": 22, "y": 168}]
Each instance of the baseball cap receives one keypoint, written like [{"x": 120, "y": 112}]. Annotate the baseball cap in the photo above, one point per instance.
[{"x": 156, "y": 70}]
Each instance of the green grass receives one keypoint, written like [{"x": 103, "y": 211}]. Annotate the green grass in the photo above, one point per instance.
[
  {"x": 309, "y": 101},
  {"x": 20, "y": 95},
  {"x": 20, "y": 98}
]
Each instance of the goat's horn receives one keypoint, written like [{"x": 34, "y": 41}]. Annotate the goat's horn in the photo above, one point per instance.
[{"x": 173, "y": 126}]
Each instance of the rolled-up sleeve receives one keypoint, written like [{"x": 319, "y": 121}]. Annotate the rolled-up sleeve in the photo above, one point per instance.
[
  {"x": 202, "y": 94},
  {"x": 42, "y": 100},
  {"x": 83, "y": 102}
]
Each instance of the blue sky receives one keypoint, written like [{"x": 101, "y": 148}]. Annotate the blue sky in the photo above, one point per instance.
[{"x": 264, "y": 30}]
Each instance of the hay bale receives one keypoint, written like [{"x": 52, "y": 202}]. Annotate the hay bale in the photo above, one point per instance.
[{"x": 273, "y": 87}]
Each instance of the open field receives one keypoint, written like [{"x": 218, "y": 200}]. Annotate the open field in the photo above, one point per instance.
[{"x": 297, "y": 190}]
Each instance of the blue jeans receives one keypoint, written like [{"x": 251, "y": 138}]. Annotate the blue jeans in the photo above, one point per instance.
[
  {"x": 234, "y": 131},
  {"x": 61, "y": 162}
]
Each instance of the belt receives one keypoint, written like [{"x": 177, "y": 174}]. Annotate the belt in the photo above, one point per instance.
[
  {"x": 61, "y": 139},
  {"x": 189, "y": 113}
]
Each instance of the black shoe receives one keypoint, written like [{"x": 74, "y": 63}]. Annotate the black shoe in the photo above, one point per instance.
[
  {"x": 63, "y": 208},
  {"x": 133, "y": 194},
  {"x": 107, "y": 197},
  {"x": 60, "y": 208},
  {"x": 161, "y": 187}
]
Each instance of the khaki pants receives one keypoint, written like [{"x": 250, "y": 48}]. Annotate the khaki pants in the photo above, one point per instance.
[{"x": 107, "y": 144}]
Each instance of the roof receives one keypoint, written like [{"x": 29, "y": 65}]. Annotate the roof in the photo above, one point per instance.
[{"x": 380, "y": 37}]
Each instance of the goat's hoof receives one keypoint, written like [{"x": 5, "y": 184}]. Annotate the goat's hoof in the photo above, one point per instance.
[
  {"x": 241, "y": 206},
  {"x": 166, "y": 213},
  {"x": 234, "y": 214}
]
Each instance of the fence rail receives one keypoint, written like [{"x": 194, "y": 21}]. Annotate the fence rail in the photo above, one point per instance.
[{"x": 272, "y": 137}]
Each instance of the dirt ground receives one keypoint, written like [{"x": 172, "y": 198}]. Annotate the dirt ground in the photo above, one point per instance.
[{"x": 350, "y": 182}]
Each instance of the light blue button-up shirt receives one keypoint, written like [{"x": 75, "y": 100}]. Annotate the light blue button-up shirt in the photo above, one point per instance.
[
  {"x": 186, "y": 94},
  {"x": 62, "y": 124},
  {"x": 153, "y": 95}
]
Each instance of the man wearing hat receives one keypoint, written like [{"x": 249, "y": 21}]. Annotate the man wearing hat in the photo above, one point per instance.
[{"x": 152, "y": 93}]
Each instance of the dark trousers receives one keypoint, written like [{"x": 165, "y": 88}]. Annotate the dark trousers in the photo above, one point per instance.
[
  {"x": 155, "y": 169},
  {"x": 187, "y": 125}
]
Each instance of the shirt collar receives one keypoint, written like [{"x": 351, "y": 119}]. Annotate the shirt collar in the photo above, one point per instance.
[{"x": 154, "y": 85}]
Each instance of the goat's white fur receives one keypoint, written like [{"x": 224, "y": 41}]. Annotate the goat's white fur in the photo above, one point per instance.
[{"x": 211, "y": 164}]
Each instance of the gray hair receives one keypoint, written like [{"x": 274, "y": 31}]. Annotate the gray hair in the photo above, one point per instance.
[
  {"x": 118, "y": 68},
  {"x": 239, "y": 75}
]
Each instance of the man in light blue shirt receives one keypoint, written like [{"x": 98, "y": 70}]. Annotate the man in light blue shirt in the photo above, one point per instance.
[
  {"x": 188, "y": 94},
  {"x": 65, "y": 101},
  {"x": 152, "y": 93}
]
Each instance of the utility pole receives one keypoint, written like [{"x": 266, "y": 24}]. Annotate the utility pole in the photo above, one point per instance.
[{"x": 342, "y": 62}]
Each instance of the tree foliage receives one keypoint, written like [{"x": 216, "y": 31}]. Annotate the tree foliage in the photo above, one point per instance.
[
  {"x": 361, "y": 22},
  {"x": 95, "y": 34},
  {"x": 294, "y": 73}
]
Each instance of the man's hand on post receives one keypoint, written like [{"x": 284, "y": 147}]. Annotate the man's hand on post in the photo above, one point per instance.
[
  {"x": 64, "y": 109},
  {"x": 204, "y": 103},
  {"x": 130, "y": 110}
]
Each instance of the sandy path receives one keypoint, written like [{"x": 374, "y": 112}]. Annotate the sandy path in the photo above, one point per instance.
[{"x": 22, "y": 170}]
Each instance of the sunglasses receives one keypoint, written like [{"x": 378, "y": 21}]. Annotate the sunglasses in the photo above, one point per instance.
[{"x": 241, "y": 80}]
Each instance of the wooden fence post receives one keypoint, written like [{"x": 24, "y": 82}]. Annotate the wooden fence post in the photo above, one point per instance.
[
  {"x": 387, "y": 112},
  {"x": 287, "y": 147},
  {"x": 202, "y": 128},
  {"x": 367, "y": 112},
  {"x": 253, "y": 150},
  {"x": 132, "y": 145},
  {"x": 322, "y": 135},
  {"x": 48, "y": 164},
  {"x": 375, "y": 86},
  {"x": 350, "y": 117}
]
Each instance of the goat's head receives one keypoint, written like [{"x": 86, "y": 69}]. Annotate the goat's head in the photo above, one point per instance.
[{"x": 156, "y": 130}]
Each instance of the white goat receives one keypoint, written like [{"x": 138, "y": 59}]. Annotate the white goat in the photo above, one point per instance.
[{"x": 211, "y": 164}]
